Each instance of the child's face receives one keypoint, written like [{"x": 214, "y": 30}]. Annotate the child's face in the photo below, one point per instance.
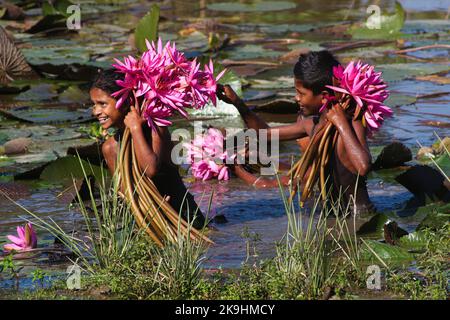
[
  {"x": 104, "y": 109},
  {"x": 308, "y": 102}
]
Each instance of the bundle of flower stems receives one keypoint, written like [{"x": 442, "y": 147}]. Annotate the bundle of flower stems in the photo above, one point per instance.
[
  {"x": 159, "y": 83},
  {"x": 361, "y": 92},
  {"x": 316, "y": 156},
  {"x": 151, "y": 210}
]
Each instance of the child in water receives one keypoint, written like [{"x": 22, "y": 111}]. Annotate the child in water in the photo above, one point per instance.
[
  {"x": 153, "y": 147},
  {"x": 351, "y": 159}
]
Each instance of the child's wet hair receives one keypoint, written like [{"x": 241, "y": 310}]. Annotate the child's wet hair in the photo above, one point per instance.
[
  {"x": 315, "y": 70},
  {"x": 106, "y": 81}
]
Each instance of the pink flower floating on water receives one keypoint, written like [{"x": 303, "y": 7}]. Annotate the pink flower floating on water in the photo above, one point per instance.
[
  {"x": 25, "y": 241},
  {"x": 165, "y": 82},
  {"x": 207, "y": 157},
  {"x": 367, "y": 88}
]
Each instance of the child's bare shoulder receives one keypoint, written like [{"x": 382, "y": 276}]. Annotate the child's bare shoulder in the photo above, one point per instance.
[
  {"x": 307, "y": 123},
  {"x": 109, "y": 146}
]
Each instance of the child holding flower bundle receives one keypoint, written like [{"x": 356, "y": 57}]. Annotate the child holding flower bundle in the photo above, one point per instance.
[
  {"x": 153, "y": 146},
  {"x": 349, "y": 161},
  {"x": 138, "y": 97}
]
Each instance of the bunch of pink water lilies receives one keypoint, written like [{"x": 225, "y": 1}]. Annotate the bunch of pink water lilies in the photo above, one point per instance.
[
  {"x": 164, "y": 82},
  {"x": 25, "y": 240},
  {"x": 207, "y": 156},
  {"x": 360, "y": 82}
]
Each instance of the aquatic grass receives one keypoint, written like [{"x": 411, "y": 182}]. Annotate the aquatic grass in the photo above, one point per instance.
[
  {"x": 345, "y": 237},
  {"x": 110, "y": 225},
  {"x": 447, "y": 152},
  {"x": 149, "y": 271},
  {"x": 179, "y": 268},
  {"x": 429, "y": 277},
  {"x": 112, "y": 230},
  {"x": 305, "y": 260},
  {"x": 115, "y": 252}
]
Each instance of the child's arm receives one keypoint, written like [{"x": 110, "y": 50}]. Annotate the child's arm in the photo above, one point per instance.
[
  {"x": 251, "y": 119},
  {"x": 109, "y": 150},
  {"x": 260, "y": 182},
  {"x": 354, "y": 140},
  {"x": 148, "y": 151}
]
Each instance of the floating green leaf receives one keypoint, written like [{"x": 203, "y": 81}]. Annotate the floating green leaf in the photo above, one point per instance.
[
  {"x": 374, "y": 225},
  {"x": 380, "y": 27},
  {"x": 397, "y": 100},
  {"x": 400, "y": 71},
  {"x": 147, "y": 28},
  {"x": 41, "y": 115},
  {"x": 57, "y": 7},
  {"x": 64, "y": 169},
  {"x": 252, "y": 51},
  {"x": 389, "y": 254}
]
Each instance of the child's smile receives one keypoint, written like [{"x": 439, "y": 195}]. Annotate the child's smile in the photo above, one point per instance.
[
  {"x": 105, "y": 109},
  {"x": 309, "y": 104}
]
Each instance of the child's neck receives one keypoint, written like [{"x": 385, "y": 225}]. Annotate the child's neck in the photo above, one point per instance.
[{"x": 323, "y": 116}]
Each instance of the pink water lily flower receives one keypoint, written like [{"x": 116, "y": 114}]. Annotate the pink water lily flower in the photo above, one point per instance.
[
  {"x": 25, "y": 241},
  {"x": 367, "y": 88},
  {"x": 207, "y": 156},
  {"x": 165, "y": 83}
]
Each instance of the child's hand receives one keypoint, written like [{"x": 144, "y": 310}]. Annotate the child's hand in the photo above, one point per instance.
[
  {"x": 226, "y": 94},
  {"x": 133, "y": 120},
  {"x": 336, "y": 115}
]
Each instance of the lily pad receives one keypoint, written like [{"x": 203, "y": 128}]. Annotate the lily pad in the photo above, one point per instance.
[
  {"x": 393, "y": 155},
  {"x": 41, "y": 115},
  {"x": 400, "y": 71},
  {"x": 387, "y": 175},
  {"x": 252, "y": 51},
  {"x": 249, "y": 69},
  {"x": 35, "y": 158},
  {"x": 194, "y": 44},
  {"x": 283, "y": 82},
  {"x": 388, "y": 253},
  {"x": 374, "y": 226},
  {"x": 397, "y": 100},
  {"x": 57, "y": 55},
  {"x": 40, "y": 92},
  {"x": 424, "y": 182},
  {"x": 252, "y": 95},
  {"x": 67, "y": 168},
  {"x": 380, "y": 27},
  {"x": 257, "y": 6}
]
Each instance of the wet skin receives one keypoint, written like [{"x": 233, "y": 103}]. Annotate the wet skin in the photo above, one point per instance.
[
  {"x": 352, "y": 149},
  {"x": 152, "y": 147}
]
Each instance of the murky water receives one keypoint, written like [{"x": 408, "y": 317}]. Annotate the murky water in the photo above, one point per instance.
[{"x": 246, "y": 208}]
